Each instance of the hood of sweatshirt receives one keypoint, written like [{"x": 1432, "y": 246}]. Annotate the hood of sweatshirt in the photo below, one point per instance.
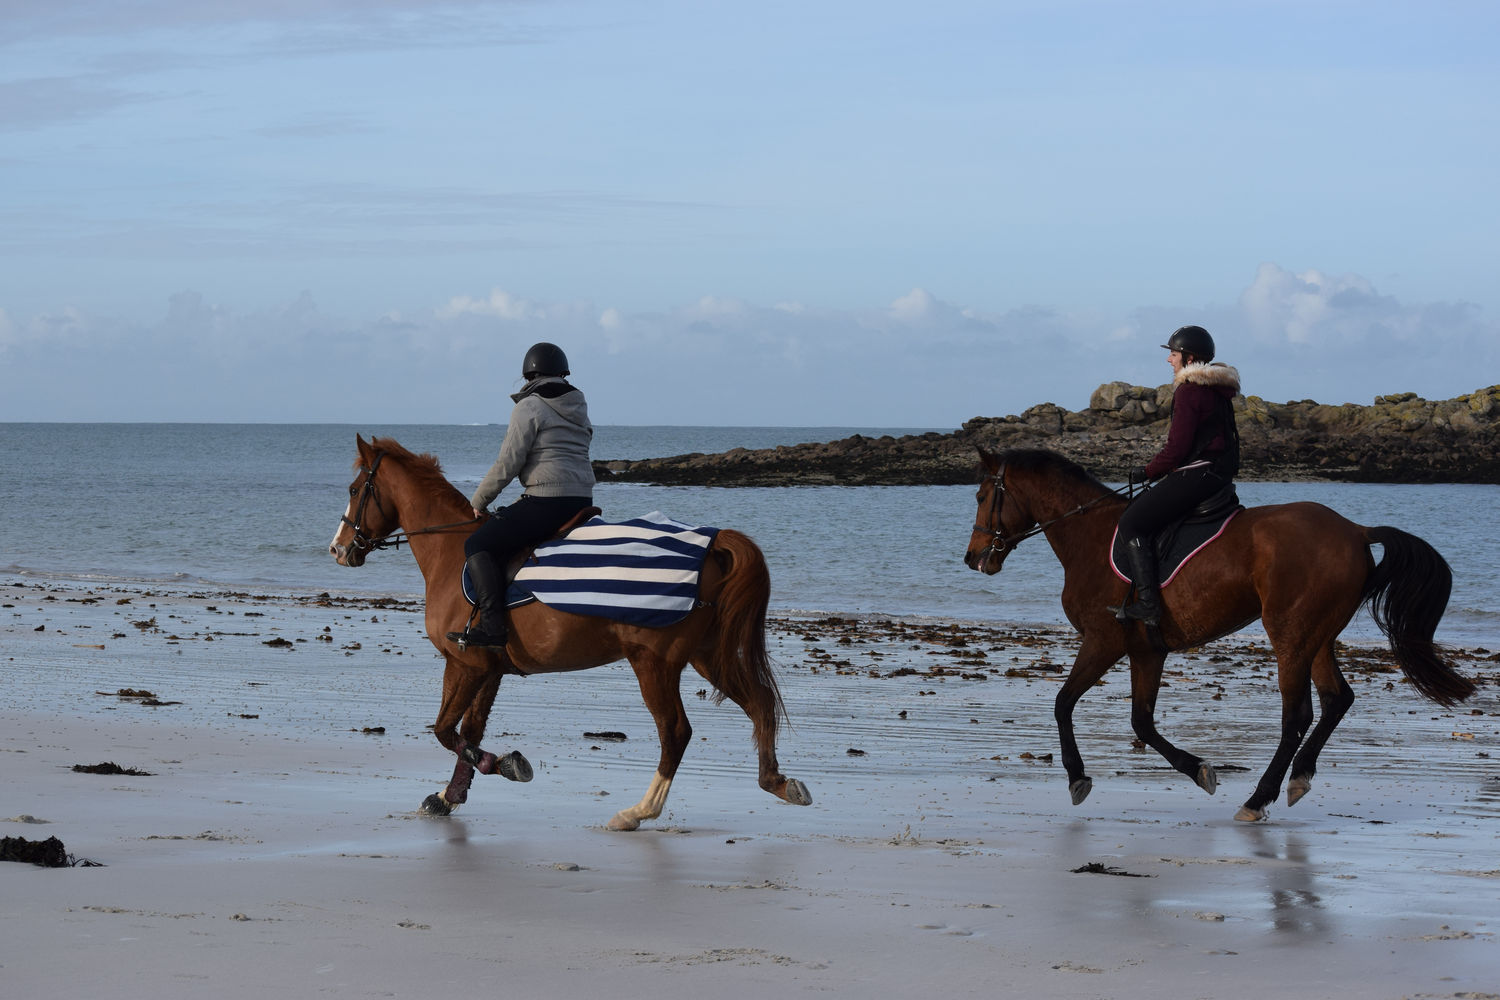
[{"x": 564, "y": 399}]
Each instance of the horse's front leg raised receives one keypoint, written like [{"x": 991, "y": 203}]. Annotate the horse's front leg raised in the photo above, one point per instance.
[
  {"x": 659, "y": 688},
  {"x": 469, "y": 693},
  {"x": 1094, "y": 658},
  {"x": 1145, "y": 685}
]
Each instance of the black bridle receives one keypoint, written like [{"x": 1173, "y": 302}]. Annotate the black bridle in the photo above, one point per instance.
[
  {"x": 1000, "y": 543},
  {"x": 362, "y": 541}
]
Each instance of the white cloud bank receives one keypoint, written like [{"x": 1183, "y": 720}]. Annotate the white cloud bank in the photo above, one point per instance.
[{"x": 916, "y": 361}]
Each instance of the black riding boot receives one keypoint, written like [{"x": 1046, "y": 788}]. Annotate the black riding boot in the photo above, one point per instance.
[
  {"x": 488, "y": 602},
  {"x": 1147, "y": 605}
]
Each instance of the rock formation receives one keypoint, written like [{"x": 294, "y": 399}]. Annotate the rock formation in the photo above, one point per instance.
[{"x": 1399, "y": 438}]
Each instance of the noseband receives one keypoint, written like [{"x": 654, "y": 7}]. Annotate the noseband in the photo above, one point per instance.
[
  {"x": 1000, "y": 543},
  {"x": 362, "y": 541}
]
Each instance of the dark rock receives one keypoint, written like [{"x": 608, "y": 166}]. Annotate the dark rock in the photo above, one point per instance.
[{"x": 1399, "y": 438}]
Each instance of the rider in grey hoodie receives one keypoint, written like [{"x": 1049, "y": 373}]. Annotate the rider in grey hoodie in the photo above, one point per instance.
[{"x": 546, "y": 446}]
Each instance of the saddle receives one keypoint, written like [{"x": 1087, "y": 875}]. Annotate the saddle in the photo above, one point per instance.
[
  {"x": 520, "y": 559},
  {"x": 1181, "y": 541}
]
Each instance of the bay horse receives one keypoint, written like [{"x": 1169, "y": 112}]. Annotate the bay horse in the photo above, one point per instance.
[
  {"x": 1300, "y": 568},
  {"x": 723, "y": 637}
]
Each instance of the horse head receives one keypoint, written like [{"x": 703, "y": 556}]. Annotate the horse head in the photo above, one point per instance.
[
  {"x": 367, "y": 519},
  {"x": 997, "y": 525}
]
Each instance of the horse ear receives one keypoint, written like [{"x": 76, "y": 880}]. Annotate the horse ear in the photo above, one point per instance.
[{"x": 988, "y": 459}]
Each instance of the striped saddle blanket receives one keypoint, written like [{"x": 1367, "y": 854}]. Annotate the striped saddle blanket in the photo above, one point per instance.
[{"x": 644, "y": 571}]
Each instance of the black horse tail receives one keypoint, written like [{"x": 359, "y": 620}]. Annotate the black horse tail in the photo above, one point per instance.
[{"x": 1408, "y": 593}]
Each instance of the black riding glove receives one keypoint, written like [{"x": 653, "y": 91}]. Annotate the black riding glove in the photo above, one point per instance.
[{"x": 1138, "y": 476}]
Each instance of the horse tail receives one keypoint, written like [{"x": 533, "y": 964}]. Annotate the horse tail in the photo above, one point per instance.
[
  {"x": 739, "y": 663},
  {"x": 1408, "y": 592}
]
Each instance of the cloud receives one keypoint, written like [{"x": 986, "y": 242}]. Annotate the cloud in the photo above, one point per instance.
[
  {"x": 500, "y": 305},
  {"x": 110, "y": 43},
  {"x": 38, "y": 102},
  {"x": 916, "y": 307},
  {"x": 919, "y": 361},
  {"x": 28, "y": 21}
]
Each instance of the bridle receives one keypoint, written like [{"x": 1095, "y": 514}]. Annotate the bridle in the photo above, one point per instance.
[
  {"x": 362, "y": 541},
  {"x": 1001, "y": 544}
]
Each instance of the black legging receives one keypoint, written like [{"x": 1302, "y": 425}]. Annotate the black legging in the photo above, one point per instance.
[
  {"x": 529, "y": 521},
  {"x": 1172, "y": 497}
]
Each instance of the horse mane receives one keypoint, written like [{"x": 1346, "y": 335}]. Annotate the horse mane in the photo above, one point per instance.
[
  {"x": 424, "y": 469},
  {"x": 1043, "y": 461}
]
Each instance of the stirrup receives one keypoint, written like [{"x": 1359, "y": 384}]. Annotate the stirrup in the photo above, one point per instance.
[
  {"x": 476, "y": 638},
  {"x": 1126, "y": 613}
]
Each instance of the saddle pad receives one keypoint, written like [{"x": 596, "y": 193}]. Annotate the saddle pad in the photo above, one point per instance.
[
  {"x": 644, "y": 571},
  {"x": 1174, "y": 547}
]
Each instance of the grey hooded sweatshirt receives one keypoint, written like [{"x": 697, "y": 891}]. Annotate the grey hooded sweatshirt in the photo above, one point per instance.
[{"x": 546, "y": 445}]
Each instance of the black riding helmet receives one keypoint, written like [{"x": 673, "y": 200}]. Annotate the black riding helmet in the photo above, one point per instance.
[
  {"x": 1192, "y": 340},
  {"x": 544, "y": 359}
]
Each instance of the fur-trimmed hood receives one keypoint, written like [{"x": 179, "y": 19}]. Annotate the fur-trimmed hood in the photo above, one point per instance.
[{"x": 1216, "y": 375}]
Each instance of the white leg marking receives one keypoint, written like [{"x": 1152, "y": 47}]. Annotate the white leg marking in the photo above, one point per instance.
[{"x": 648, "y": 808}]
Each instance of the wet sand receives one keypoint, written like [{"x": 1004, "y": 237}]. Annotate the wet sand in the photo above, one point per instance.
[{"x": 275, "y": 846}]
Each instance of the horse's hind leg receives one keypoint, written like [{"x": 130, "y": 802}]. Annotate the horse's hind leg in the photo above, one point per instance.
[
  {"x": 759, "y": 704},
  {"x": 1296, "y": 719},
  {"x": 659, "y": 689},
  {"x": 1145, "y": 685},
  {"x": 1334, "y": 698}
]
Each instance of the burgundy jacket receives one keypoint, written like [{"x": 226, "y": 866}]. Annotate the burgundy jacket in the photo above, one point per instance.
[{"x": 1197, "y": 402}]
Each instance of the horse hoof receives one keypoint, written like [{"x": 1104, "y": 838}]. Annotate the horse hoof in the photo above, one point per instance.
[
  {"x": 436, "y": 805},
  {"x": 513, "y": 766},
  {"x": 1208, "y": 778},
  {"x": 1248, "y": 815},
  {"x": 623, "y": 823},
  {"x": 1296, "y": 788},
  {"x": 797, "y": 793},
  {"x": 1080, "y": 790}
]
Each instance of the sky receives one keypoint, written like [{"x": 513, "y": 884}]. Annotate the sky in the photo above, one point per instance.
[{"x": 855, "y": 214}]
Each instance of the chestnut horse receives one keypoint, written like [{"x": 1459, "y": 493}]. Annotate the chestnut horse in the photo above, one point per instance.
[
  {"x": 723, "y": 637},
  {"x": 1299, "y": 567}
]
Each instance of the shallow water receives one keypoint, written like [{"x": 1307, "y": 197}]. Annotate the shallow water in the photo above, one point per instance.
[{"x": 254, "y": 506}]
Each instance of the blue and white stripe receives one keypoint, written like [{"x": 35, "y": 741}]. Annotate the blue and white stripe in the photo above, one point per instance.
[{"x": 644, "y": 571}]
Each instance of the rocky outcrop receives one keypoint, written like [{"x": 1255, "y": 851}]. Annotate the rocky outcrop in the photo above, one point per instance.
[{"x": 1400, "y": 438}]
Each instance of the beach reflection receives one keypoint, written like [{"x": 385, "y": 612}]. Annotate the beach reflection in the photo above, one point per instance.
[
  {"x": 1296, "y": 899},
  {"x": 1262, "y": 874}
]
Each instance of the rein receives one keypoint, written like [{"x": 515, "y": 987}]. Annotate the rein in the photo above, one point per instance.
[
  {"x": 363, "y": 542},
  {"x": 1000, "y": 542}
]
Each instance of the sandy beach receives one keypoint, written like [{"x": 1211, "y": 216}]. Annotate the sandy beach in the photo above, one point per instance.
[{"x": 272, "y": 844}]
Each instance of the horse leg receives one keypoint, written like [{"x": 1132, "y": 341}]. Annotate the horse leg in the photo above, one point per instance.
[
  {"x": 659, "y": 689},
  {"x": 1145, "y": 685},
  {"x": 468, "y": 695},
  {"x": 1296, "y": 718},
  {"x": 1335, "y": 696},
  {"x": 510, "y": 765},
  {"x": 760, "y": 705},
  {"x": 1089, "y": 665}
]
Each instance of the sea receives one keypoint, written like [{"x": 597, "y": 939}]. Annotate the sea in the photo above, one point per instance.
[{"x": 253, "y": 507}]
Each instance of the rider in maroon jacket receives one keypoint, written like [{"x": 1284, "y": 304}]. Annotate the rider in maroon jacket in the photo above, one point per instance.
[{"x": 1200, "y": 458}]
